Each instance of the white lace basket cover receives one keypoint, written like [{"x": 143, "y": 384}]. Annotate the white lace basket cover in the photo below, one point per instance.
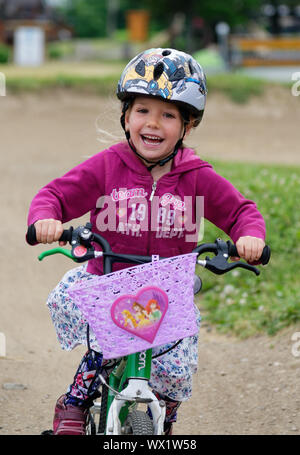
[{"x": 140, "y": 307}]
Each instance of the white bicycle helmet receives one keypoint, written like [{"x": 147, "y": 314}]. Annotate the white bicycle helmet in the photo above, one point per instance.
[{"x": 168, "y": 74}]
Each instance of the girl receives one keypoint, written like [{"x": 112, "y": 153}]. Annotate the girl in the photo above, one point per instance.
[{"x": 163, "y": 95}]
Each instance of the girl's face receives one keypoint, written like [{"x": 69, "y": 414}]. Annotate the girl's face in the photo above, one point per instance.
[{"x": 155, "y": 126}]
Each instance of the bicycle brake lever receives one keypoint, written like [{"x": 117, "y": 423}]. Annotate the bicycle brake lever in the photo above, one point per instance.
[
  {"x": 243, "y": 265},
  {"x": 219, "y": 263},
  {"x": 60, "y": 250},
  {"x": 220, "y": 268},
  {"x": 78, "y": 254}
]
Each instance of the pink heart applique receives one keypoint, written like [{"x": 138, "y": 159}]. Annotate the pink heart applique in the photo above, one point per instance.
[{"x": 141, "y": 314}]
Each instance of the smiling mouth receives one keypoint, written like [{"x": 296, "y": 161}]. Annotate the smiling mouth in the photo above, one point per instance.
[{"x": 151, "y": 140}]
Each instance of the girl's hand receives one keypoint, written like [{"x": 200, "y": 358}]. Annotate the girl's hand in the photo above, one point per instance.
[
  {"x": 249, "y": 248},
  {"x": 48, "y": 231}
]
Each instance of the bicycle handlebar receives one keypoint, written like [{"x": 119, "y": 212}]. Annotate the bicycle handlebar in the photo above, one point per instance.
[
  {"x": 232, "y": 251},
  {"x": 82, "y": 237}
]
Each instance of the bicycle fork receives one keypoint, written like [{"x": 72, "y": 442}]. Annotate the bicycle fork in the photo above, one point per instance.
[{"x": 137, "y": 370}]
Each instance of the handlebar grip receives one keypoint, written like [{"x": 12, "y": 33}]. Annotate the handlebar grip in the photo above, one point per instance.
[
  {"x": 264, "y": 259},
  {"x": 66, "y": 235},
  {"x": 31, "y": 235}
]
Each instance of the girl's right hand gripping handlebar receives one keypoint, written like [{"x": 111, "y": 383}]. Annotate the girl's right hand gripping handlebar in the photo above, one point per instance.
[{"x": 31, "y": 235}]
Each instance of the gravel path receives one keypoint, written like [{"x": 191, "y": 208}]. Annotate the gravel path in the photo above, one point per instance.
[{"x": 242, "y": 387}]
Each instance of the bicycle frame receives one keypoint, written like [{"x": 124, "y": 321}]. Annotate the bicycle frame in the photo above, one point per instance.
[
  {"x": 128, "y": 382},
  {"x": 136, "y": 369}
]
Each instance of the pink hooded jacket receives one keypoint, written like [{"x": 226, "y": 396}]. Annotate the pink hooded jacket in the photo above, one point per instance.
[{"x": 138, "y": 218}]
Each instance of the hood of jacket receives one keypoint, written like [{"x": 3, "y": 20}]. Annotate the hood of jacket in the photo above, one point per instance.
[{"x": 185, "y": 160}]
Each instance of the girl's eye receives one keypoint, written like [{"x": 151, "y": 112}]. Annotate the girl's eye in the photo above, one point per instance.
[
  {"x": 142, "y": 111},
  {"x": 169, "y": 115}
]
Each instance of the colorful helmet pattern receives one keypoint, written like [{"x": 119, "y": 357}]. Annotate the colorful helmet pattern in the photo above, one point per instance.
[{"x": 168, "y": 74}]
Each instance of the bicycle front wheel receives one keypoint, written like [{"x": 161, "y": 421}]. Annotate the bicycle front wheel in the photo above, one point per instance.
[{"x": 138, "y": 422}]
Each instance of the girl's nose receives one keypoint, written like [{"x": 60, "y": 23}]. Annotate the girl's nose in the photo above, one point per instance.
[{"x": 152, "y": 122}]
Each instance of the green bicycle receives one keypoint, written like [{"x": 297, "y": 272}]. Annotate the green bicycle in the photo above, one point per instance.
[{"x": 126, "y": 397}]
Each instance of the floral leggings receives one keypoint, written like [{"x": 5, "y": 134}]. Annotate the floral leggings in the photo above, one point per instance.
[
  {"x": 171, "y": 374},
  {"x": 84, "y": 388}
]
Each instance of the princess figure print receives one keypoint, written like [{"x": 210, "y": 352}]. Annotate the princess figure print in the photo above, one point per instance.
[{"x": 140, "y": 316}]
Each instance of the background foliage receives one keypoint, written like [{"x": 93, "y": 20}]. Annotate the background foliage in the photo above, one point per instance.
[{"x": 89, "y": 17}]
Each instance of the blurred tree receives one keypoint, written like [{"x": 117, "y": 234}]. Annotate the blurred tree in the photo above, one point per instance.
[
  {"x": 88, "y": 17},
  {"x": 234, "y": 12},
  {"x": 274, "y": 10}
]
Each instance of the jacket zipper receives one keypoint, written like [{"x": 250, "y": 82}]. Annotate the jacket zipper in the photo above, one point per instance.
[
  {"x": 154, "y": 185},
  {"x": 153, "y": 189}
]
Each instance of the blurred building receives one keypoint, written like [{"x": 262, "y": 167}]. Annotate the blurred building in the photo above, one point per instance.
[{"x": 17, "y": 13}]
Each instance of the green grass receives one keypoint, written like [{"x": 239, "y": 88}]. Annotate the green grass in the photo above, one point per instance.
[
  {"x": 91, "y": 77},
  {"x": 238, "y": 87},
  {"x": 102, "y": 77},
  {"x": 239, "y": 302},
  {"x": 102, "y": 85}
]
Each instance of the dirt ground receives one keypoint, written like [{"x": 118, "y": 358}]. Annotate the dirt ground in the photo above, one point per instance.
[{"x": 242, "y": 387}]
